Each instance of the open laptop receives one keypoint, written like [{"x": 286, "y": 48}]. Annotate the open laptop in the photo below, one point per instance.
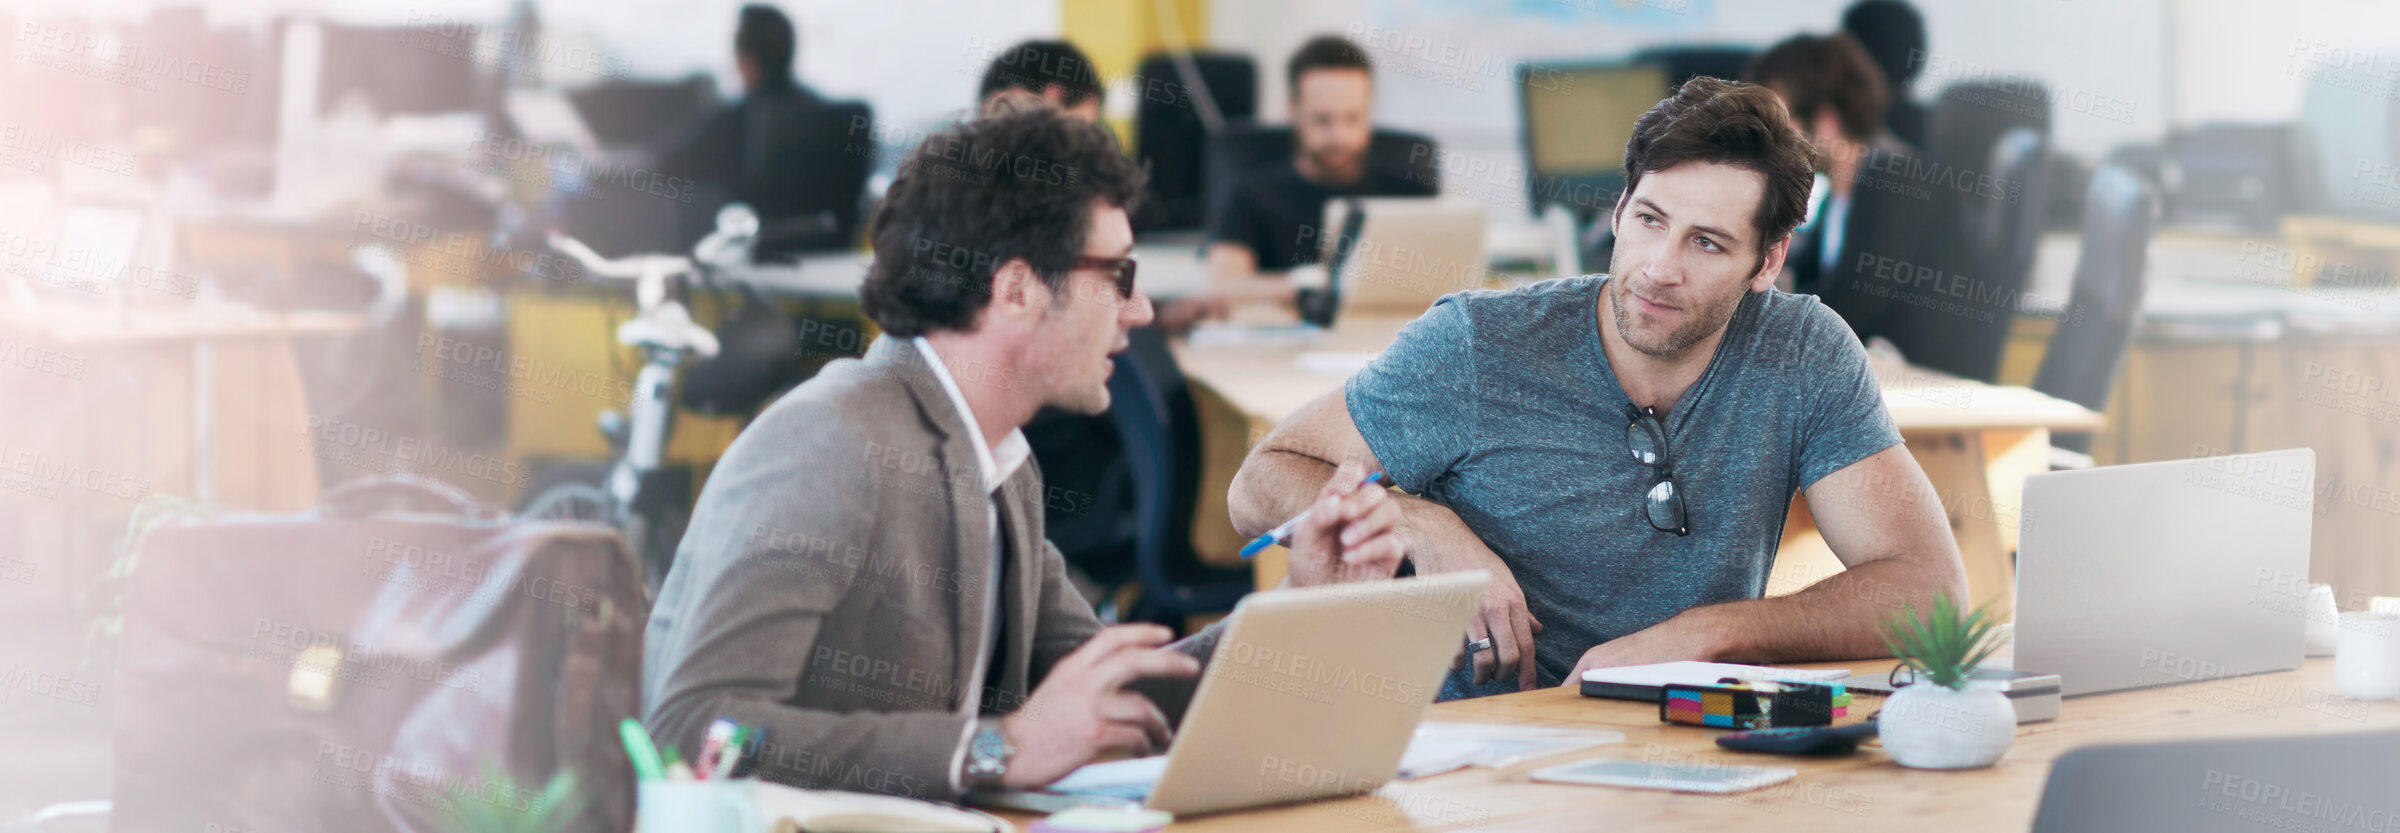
[
  {"x": 1312, "y": 692},
  {"x": 1393, "y": 257},
  {"x": 2162, "y": 573}
]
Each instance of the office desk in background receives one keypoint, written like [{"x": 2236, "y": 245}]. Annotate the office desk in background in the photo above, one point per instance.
[
  {"x": 1864, "y": 791},
  {"x": 1977, "y": 443},
  {"x": 2241, "y": 350}
]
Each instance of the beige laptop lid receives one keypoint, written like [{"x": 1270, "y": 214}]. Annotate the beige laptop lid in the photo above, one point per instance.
[
  {"x": 1316, "y": 692},
  {"x": 1407, "y": 253}
]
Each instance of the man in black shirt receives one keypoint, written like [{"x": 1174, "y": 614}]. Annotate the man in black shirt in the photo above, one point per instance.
[
  {"x": 748, "y": 152},
  {"x": 1269, "y": 224}
]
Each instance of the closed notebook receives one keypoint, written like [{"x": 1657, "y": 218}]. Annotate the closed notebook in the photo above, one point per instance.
[{"x": 1642, "y": 682}]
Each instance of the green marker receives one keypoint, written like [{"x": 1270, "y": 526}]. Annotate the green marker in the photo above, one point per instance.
[{"x": 637, "y": 747}]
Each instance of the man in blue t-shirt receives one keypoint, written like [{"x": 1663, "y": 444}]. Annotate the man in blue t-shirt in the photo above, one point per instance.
[{"x": 1620, "y": 450}]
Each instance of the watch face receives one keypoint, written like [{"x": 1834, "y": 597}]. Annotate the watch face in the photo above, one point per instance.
[{"x": 987, "y": 753}]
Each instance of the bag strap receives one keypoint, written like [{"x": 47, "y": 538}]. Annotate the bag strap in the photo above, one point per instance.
[{"x": 365, "y": 496}]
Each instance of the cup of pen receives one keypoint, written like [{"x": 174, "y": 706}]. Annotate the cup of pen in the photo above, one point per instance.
[{"x": 667, "y": 806}]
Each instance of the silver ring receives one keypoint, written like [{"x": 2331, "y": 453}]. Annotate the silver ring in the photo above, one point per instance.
[{"x": 1484, "y": 644}]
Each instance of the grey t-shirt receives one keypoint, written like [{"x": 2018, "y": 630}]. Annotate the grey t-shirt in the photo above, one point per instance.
[{"x": 1501, "y": 406}]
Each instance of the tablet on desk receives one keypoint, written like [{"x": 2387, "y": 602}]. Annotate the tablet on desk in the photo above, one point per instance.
[{"x": 1721, "y": 779}]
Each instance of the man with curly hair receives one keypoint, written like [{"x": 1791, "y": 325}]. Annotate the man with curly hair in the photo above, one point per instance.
[{"x": 866, "y": 575}]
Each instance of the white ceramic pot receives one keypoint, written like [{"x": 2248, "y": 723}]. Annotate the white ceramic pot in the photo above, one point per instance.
[
  {"x": 1926, "y": 726},
  {"x": 2366, "y": 665},
  {"x": 2323, "y": 630}
]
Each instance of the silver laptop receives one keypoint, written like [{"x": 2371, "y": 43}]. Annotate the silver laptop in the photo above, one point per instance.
[
  {"x": 1395, "y": 256},
  {"x": 2163, "y": 573},
  {"x": 1311, "y": 693}
]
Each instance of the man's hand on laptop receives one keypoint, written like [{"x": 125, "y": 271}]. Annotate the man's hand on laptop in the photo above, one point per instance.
[
  {"x": 1082, "y": 710},
  {"x": 1441, "y": 543},
  {"x": 1348, "y": 535}
]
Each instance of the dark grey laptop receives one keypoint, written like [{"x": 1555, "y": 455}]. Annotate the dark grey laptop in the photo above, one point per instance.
[{"x": 2348, "y": 781}]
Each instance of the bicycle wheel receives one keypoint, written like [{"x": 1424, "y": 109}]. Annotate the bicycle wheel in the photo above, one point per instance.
[{"x": 572, "y": 502}]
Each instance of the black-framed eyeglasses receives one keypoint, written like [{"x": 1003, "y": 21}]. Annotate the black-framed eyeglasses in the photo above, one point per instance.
[
  {"x": 1646, "y": 437},
  {"x": 1119, "y": 269}
]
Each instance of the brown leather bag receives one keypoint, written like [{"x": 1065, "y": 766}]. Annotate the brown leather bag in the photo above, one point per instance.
[{"x": 361, "y": 669}]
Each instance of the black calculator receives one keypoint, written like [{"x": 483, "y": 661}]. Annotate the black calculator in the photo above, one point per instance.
[{"x": 1801, "y": 740}]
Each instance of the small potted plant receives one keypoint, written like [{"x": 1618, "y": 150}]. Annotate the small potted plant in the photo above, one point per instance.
[
  {"x": 556, "y": 807},
  {"x": 1946, "y": 719}
]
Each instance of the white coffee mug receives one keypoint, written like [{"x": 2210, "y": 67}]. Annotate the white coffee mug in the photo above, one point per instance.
[
  {"x": 2324, "y": 621},
  {"x": 663, "y": 806},
  {"x": 2366, "y": 665}
]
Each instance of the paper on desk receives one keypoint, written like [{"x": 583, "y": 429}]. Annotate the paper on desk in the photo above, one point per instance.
[
  {"x": 1427, "y": 755},
  {"x": 1689, "y": 672},
  {"x": 1335, "y": 362},
  {"x": 1220, "y": 336},
  {"x": 1498, "y": 745},
  {"x": 1109, "y": 773}
]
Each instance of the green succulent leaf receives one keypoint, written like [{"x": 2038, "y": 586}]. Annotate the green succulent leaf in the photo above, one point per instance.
[
  {"x": 551, "y": 811},
  {"x": 1943, "y": 645}
]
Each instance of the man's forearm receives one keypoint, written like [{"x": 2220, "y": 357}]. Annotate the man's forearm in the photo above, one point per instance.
[
  {"x": 1840, "y": 617},
  {"x": 1273, "y": 486}
]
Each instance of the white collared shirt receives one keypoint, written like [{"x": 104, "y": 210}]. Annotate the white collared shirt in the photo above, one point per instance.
[{"x": 996, "y": 465}]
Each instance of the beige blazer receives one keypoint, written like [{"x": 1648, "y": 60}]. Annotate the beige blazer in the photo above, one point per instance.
[{"x": 835, "y": 587}]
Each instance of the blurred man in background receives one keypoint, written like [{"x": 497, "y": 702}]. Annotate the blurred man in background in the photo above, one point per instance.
[
  {"x": 1052, "y": 72},
  {"x": 746, "y": 152},
  {"x": 1894, "y": 35},
  {"x": 1257, "y": 234},
  {"x": 1879, "y": 203},
  {"x": 1835, "y": 97}
]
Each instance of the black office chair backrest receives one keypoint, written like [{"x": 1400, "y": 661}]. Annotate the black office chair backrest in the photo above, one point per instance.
[
  {"x": 646, "y": 114},
  {"x": 2120, "y": 211},
  {"x": 1171, "y": 137},
  {"x": 2326, "y": 781},
  {"x": 1152, "y": 409},
  {"x": 1243, "y": 149},
  {"x": 1970, "y": 117},
  {"x": 804, "y": 172},
  {"x": 1684, "y": 63},
  {"x": 2005, "y": 219}
]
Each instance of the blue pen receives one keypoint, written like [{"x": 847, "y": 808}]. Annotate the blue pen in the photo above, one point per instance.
[{"x": 1283, "y": 534}]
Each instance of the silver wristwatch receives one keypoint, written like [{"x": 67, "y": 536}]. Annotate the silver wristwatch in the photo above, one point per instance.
[{"x": 988, "y": 752}]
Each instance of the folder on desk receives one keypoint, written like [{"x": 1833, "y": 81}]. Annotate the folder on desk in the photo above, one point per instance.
[{"x": 1643, "y": 682}]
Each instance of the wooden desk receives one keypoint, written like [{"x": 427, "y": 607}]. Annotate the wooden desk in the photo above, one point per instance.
[
  {"x": 1863, "y": 791},
  {"x": 1977, "y": 442}
]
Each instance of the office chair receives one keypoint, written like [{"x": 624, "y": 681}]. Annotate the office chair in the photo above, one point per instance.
[
  {"x": 1170, "y": 133},
  {"x": 1683, "y": 63},
  {"x": 2120, "y": 212},
  {"x": 644, "y": 114},
  {"x": 1969, "y": 117},
  {"x": 1980, "y": 234},
  {"x": 1243, "y": 149},
  {"x": 1151, "y": 406},
  {"x": 2007, "y": 230},
  {"x": 2223, "y": 786},
  {"x": 804, "y": 174}
]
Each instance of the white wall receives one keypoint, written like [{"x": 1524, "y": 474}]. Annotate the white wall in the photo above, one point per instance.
[
  {"x": 2244, "y": 61},
  {"x": 914, "y": 60}
]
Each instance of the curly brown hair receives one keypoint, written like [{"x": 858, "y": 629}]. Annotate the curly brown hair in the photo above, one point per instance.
[{"x": 1019, "y": 185}]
